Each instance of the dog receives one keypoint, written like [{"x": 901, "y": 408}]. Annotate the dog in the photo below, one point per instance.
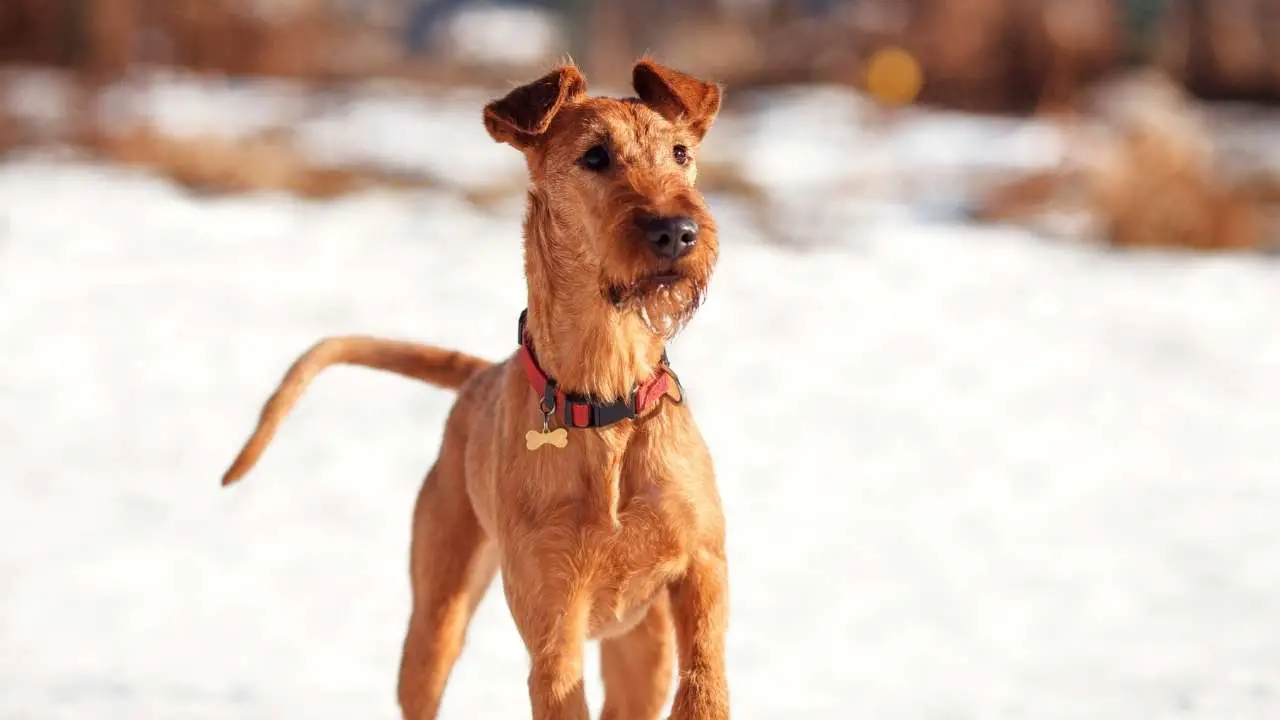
[{"x": 574, "y": 467}]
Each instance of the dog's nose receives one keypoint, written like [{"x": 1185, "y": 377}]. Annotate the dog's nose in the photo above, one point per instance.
[{"x": 671, "y": 237}]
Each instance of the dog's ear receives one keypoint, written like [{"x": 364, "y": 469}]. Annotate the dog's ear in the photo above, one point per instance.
[
  {"x": 524, "y": 114},
  {"x": 676, "y": 96}
]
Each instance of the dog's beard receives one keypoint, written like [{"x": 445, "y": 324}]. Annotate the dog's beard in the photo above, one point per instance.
[{"x": 664, "y": 308}]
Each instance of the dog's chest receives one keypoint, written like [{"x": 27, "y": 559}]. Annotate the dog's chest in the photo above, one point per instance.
[
  {"x": 635, "y": 561},
  {"x": 614, "y": 514}
]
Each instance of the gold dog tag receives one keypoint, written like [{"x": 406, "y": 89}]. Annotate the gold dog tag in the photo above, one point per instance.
[{"x": 557, "y": 438}]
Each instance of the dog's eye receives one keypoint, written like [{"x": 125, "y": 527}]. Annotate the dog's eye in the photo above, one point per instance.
[
  {"x": 681, "y": 154},
  {"x": 596, "y": 159}
]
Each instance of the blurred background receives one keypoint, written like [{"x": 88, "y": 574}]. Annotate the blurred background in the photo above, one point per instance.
[
  {"x": 988, "y": 367},
  {"x": 249, "y": 95}
]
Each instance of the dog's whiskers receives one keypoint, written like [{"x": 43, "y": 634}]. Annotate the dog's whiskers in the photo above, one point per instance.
[{"x": 666, "y": 311}]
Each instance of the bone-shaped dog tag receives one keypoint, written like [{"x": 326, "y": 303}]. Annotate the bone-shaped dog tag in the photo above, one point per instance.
[{"x": 557, "y": 438}]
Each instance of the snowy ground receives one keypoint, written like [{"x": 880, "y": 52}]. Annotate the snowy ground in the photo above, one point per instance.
[{"x": 969, "y": 474}]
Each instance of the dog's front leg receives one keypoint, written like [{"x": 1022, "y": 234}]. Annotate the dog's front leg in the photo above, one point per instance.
[
  {"x": 699, "y": 605},
  {"x": 552, "y": 620}
]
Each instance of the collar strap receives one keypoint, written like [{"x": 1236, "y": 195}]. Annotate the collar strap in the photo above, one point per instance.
[{"x": 580, "y": 411}]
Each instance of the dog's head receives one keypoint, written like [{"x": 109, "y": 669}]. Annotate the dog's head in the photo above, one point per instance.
[{"x": 615, "y": 179}]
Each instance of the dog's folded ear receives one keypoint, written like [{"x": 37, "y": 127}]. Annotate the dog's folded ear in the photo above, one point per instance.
[
  {"x": 524, "y": 114},
  {"x": 676, "y": 96}
]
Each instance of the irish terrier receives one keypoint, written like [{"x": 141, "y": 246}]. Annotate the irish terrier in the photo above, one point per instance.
[{"x": 573, "y": 465}]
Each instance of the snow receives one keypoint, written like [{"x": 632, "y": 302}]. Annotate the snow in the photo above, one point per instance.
[{"x": 968, "y": 473}]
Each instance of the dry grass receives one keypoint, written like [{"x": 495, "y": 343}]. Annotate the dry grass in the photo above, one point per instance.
[
  {"x": 101, "y": 39},
  {"x": 981, "y": 55},
  {"x": 261, "y": 163},
  {"x": 994, "y": 55},
  {"x": 1146, "y": 183},
  {"x": 1150, "y": 179},
  {"x": 1222, "y": 49}
]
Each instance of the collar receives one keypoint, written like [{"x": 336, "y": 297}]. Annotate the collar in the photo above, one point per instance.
[{"x": 580, "y": 411}]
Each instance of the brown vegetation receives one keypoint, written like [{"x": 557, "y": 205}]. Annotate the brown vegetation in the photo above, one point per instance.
[
  {"x": 1223, "y": 48},
  {"x": 1149, "y": 177},
  {"x": 264, "y": 162}
]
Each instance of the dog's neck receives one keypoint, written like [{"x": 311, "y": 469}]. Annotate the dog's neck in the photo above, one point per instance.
[{"x": 581, "y": 340}]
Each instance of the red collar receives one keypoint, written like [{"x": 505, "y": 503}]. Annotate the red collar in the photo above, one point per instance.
[{"x": 580, "y": 411}]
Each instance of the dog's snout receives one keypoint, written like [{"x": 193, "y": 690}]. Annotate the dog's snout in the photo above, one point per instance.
[{"x": 670, "y": 237}]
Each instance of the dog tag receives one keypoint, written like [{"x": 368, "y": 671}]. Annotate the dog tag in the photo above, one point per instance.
[{"x": 557, "y": 438}]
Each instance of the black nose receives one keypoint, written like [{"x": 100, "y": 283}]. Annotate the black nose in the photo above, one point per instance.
[{"x": 670, "y": 237}]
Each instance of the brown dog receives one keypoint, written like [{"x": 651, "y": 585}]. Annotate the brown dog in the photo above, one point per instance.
[{"x": 574, "y": 466}]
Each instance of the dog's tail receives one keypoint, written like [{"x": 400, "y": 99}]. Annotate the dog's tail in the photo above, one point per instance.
[{"x": 443, "y": 368}]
